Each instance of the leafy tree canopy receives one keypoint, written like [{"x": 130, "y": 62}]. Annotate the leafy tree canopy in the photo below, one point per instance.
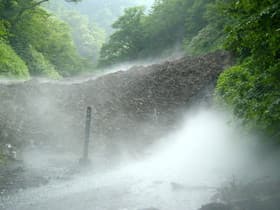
[
  {"x": 252, "y": 87},
  {"x": 40, "y": 40},
  {"x": 248, "y": 28}
]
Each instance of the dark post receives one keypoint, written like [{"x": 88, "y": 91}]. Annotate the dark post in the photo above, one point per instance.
[{"x": 87, "y": 135}]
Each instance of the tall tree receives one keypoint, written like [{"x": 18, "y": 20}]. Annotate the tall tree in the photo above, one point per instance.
[
  {"x": 252, "y": 87},
  {"x": 38, "y": 39},
  {"x": 127, "y": 41}
]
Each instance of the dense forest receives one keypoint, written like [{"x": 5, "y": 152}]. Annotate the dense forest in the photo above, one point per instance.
[
  {"x": 100, "y": 13},
  {"x": 58, "y": 40},
  {"x": 90, "y": 21},
  {"x": 33, "y": 42},
  {"x": 53, "y": 39}
]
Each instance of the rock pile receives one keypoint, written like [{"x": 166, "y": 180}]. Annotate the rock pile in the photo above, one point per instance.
[{"x": 130, "y": 107}]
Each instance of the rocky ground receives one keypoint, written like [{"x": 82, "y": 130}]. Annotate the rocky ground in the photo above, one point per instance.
[
  {"x": 141, "y": 102},
  {"x": 258, "y": 195},
  {"x": 15, "y": 177}
]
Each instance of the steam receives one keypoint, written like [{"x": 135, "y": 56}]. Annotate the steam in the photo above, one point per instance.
[
  {"x": 182, "y": 171},
  {"x": 208, "y": 147}
]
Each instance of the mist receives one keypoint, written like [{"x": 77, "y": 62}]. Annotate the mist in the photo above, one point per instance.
[
  {"x": 182, "y": 170},
  {"x": 102, "y": 13},
  {"x": 139, "y": 105},
  {"x": 145, "y": 150}
]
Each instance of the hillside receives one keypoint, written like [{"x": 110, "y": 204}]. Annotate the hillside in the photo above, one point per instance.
[{"x": 132, "y": 107}]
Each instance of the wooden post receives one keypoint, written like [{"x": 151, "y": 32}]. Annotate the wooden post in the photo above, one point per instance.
[{"x": 85, "y": 159}]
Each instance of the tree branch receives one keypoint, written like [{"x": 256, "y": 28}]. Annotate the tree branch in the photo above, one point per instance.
[{"x": 23, "y": 10}]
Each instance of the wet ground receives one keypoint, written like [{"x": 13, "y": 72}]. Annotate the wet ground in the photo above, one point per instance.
[
  {"x": 126, "y": 187},
  {"x": 141, "y": 186},
  {"x": 190, "y": 167}
]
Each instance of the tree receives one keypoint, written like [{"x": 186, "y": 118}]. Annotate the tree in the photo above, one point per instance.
[
  {"x": 164, "y": 26},
  {"x": 252, "y": 87},
  {"x": 127, "y": 41},
  {"x": 42, "y": 42},
  {"x": 169, "y": 24},
  {"x": 11, "y": 65},
  {"x": 48, "y": 36},
  {"x": 208, "y": 33},
  {"x": 13, "y": 10},
  {"x": 87, "y": 37}
]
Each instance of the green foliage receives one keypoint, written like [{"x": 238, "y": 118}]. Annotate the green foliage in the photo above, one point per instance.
[
  {"x": 195, "y": 19},
  {"x": 207, "y": 40},
  {"x": 39, "y": 65},
  {"x": 11, "y": 65},
  {"x": 211, "y": 36},
  {"x": 127, "y": 41},
  {"x": 3, "y": 30},
  {"x": 87, "y": 37},
  {"x": 254, "y": 96},
  {"x": 138, "y": 35},
  {"x": 252, "y": 87},
  {"x": 31, "y": 37},
  {"x": 256, "y": 30},
  {"x": 49, "y": 36},
  {"x": 194, "y": 25},
  {"x": 165, "y": 24},
  {"x": 248, "y": 28},
  {"x": 41, "y": 40}
]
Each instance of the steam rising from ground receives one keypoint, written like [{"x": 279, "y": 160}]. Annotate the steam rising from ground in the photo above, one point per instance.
[
  {"x": 209, "y": 147},
  {"x": 182, "y": 171}
]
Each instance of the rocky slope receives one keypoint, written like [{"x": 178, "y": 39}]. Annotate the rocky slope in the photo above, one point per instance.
[{"x": 130, "y": 107}]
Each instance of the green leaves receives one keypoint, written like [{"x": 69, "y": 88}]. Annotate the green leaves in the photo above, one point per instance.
[
  {"x": 139, "y": 35},
  {"x": 127, "y": 41},
  {"x": 11, "y": 65},
  {"x": 87, "y": 36},
  {"x": 3, "y": 30},
  {"x": 255, "y": 32},
  {"x": 171, "y": 24},
  {"x": 39, "y": 65},
  {"x": 252, "y": 87},
  {"x": 39, "y": 39}
]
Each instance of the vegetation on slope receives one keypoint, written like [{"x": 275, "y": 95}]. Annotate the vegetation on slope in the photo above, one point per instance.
[
  {"x": 252, "y": 87},
  {"x": 87, "y": 36},
  {"x": 11, "y": 65},
  {"x": 171, "y": 24},
  {"x": 35, "y": 42},
  {"x": 249, "y": 29}
]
